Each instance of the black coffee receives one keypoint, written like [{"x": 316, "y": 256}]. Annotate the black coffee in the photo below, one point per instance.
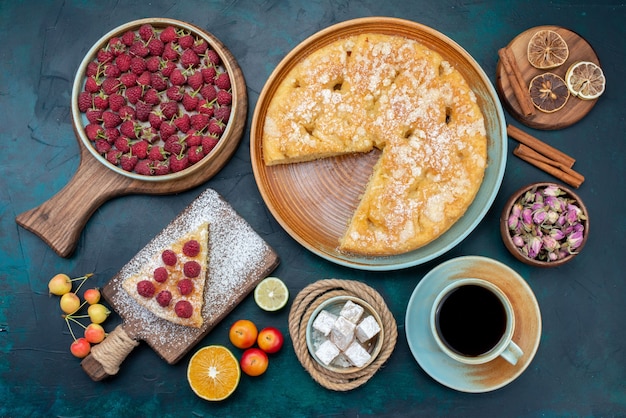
[{"x": 471, "y": 320}]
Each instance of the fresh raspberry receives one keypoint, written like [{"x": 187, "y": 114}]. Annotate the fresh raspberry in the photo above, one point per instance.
[
  {"x": 112, "y": 71},
  {"x": 183, "y": 122},
  {"x": 169, "y": 109},
  {"x": 183, "y": 309},
  {"x": 129, "y": 129},
  {"x": 222, "y": 113},
  {"x": 142, "y": 110},
  {"x": 185, "y": 286},
  {"x": 173, "y": 145},
  {"x": 216, "y": 128},
  {"x": 122, "y": 144},
  {"x": 116, "y": 46},
  {"x": 224, "y": 98},
  {"x": 110, "y": 85},
  {"x": 149, "y": 134},
  {"x": 195, "y": 80},
  {"x": 208, "y": 75},
  {"x": 145, "y": 79},
  {"x": 175, "y": 93},
  {"x": 155, "y": 119},
  {"x": 199, "y": 121},
  {"x": 156, "y": 47},
  {"x": 110, "y": 119},
  {"x": 151, "y": 96},
  {"x": 222, "y": 80},
  {"x": 128, "y": 79},
  {"x": 145, "y": 288},
  {"x": 94, "y": 115},
  {"x": 177, "y": 77},
  {"x": 144, "y": 167},
  {"x": 194, "y": 138},
  {"x": 101, "y": 101},
  {"x": 111, "y": 134},
  {"x": 189, "y": 58},
  {"x": 195, "y": 154},
  {"x": 140, "y": 149},
  {"x": 137, "y": 65},
  {"x": 156, "y": 153},
  {"x": 178, "y": 163},
  {"x": 93, "y": 68},
  {"x": 116, "y": 101},
  {"x": 123, "y": 62},
  {"x": 146, "y": 31},
  {"x": 168, "y": 34},
  {"x": 128, "y": 38},
  {"x": 102, "y": 146},
  {"x": 213, "y": 57},
  {"x": 139, "y": 49},
  {"x": 205, "y": 107},
  {"x": 161, "y": 168},
  {"x": 208, "y": 143},
  {"x": 191, "y": 248},
  {"x": 159, "y": 82},
  {"x": 170, "y": 52},
  {"x": 164, "y": 297},
  {"x": 128, "y": 162},
  {"x": 133, "y": 94},
  {"x": 127, "y": 112},
  {"x": 209, "y": 92},
  {"x": 167, "y": 129},
  {"x": 113, "y": 156},
  {"x": 200, "y": 46},
  {"x": 167, "y": 67},
  {"x": 92, "y": 85},
  {"x": 186, "y": 41},
  {"x": 169, "y": 257},
  {"x": 153, "y": 64},
  {"x": 190, "y": 102},
  {"x": 104, "y": 56},
  {"x": 93, "y": 131}
]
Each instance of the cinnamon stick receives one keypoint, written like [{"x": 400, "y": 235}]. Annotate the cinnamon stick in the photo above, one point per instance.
[
  {"x": 516, "y": 81},
  {"x": 573, "y": 181},
  {"x": 540, "y": 146},
  {"x": 527, "y": 151}
]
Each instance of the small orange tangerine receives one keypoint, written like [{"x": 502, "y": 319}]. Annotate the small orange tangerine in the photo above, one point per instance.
[{"x": 213, "y": 373}]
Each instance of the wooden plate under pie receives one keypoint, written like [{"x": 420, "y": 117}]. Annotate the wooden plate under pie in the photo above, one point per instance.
[
  {"x": 314, "y": 201},
  {"x": 575, "y": 109}
]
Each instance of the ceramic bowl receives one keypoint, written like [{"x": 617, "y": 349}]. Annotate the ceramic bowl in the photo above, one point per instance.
[
  {"x": 519, "y": 250},
  {"x": 231, "y": 135},
  {"x": 314, "y": 338}
]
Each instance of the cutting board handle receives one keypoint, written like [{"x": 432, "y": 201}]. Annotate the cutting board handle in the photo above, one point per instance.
[
  {"x": 60, "y": 220},
  {"x": 105, "y": 358}
]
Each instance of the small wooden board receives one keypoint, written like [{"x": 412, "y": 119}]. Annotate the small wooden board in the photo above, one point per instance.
[
  {"x": 238, "y": 259},
  {"x": 575, "y": 109}
]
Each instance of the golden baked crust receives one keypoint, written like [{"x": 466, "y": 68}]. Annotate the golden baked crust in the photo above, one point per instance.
[
  {"x": 389, "y": 92},
  {"x": 175, "y": 273}
]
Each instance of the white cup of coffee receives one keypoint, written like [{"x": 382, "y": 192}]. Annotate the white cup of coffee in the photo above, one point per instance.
[{"x": 473, "y": 322}]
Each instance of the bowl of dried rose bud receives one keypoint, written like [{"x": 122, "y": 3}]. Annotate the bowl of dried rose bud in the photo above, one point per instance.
[{"x": 544, "y": 224}]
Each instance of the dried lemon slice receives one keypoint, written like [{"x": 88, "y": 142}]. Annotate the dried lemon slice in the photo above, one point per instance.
[
  {"x": 271, "y": 294},
  {"x": 547, "y": 49},
  {"x": 548, "y": 92},
  {"x": 586, "y": 80}
]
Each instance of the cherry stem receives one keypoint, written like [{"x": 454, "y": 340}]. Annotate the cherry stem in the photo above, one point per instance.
[{"x": 83, "y": 278}]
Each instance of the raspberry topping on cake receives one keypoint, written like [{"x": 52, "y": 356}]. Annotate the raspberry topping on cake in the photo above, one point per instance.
[
  {"x": 169, "y": 257},
  {"x": 160, "y": 274},
  {"x": 185, "y": 286},
  {"x": 191, "y": 269},
  {"x": 164, "y": 298},
  {"x": 183, "y": 309},
  {"x": 145, "y": 288},
  {"x": 191, "y": 248}
]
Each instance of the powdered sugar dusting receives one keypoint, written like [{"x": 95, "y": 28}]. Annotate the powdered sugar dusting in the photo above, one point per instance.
[{"x": 238, "y": 259}]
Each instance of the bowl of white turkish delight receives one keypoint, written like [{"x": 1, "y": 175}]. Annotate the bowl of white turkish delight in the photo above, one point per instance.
[{"x": 344, "y": 334}]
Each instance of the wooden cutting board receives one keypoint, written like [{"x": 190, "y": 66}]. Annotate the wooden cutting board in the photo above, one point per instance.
[
  {"x": 238, "y": 259},
  {"x": 575, "y": 109},
  {"x": 60, "y": 220}
]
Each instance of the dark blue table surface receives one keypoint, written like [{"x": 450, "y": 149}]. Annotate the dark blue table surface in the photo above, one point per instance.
[{"x": 580, "y": 366}]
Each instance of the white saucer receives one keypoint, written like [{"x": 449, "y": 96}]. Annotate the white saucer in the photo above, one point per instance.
[{"x": 462, "y": 377}]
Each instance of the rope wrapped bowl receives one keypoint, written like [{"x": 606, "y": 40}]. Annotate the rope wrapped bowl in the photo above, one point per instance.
[{"x": 308, "y": 300}]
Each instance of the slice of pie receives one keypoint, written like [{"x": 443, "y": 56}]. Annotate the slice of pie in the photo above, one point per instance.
[{"x": 171, "y": 285}]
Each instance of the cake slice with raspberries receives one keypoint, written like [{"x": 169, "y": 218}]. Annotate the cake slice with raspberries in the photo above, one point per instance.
[{"x": 171, "y": 285}]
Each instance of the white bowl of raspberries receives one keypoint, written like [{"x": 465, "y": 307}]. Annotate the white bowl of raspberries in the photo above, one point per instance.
[{"x": 155, "y": 100}]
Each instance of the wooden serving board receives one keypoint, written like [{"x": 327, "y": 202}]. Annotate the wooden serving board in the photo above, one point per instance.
[
  {"x": 575, "y": 109},
  {"x": 238, "y": 259},
  {"x": 60, "y": 220}
]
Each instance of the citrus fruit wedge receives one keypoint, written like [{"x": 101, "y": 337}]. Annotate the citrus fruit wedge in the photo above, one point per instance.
[
  {"x": 271, "y": 294},
  {"x": 586, "y": 80},
  {"x": 548, "y": 92},
  {"x": 547, "y": 49},
  {"x": 213, "y": 373}
]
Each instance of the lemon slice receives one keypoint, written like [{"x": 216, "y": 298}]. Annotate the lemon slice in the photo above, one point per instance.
[
  {"x": 586, "y": 80},
  {"x": 547, "y": 49},
  {"x": 548, "y": 92},
  {"x": 271, "y": 294},
  {"x": 213, "y": 373}
]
